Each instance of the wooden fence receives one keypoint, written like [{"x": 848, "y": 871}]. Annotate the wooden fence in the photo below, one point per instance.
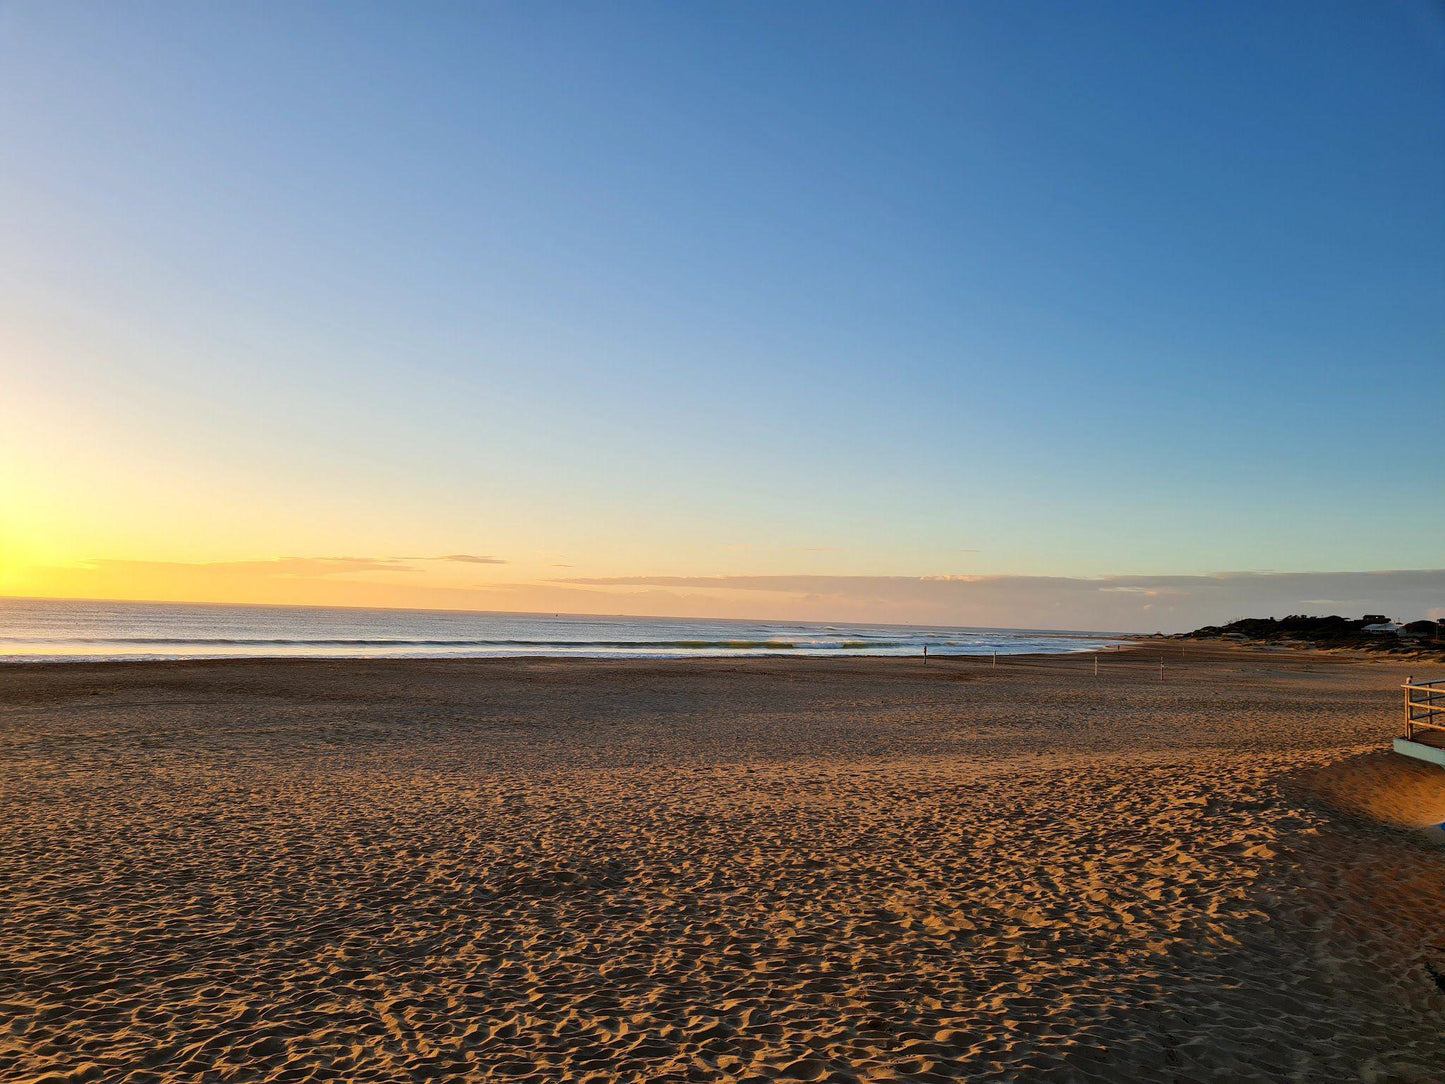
[{"x": 1424, "y": 706}]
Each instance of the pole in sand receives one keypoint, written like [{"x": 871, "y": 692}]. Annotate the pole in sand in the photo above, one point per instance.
[
  {"x": 1161, "y": 667},
  {"x": 925, "y": 654},
  {"x": 1096, "y": 665}
]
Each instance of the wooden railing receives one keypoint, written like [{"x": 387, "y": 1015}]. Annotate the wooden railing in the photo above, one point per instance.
[{"x": 1424, "y": 705}]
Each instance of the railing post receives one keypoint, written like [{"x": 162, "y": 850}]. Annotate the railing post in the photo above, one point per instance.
[{"x": 1409, "y": 711}]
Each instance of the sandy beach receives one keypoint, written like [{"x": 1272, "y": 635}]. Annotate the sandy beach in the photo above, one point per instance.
[{"x": 770, "y": 869}]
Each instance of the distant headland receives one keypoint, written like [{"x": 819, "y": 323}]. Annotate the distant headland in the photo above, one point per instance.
[{"x": 1372, "y": 632}]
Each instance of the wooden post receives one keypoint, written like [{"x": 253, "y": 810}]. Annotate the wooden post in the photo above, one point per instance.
[
  {"x": 1161, "y": 667},
  {"x": 1096, "y": 664},
  {"x": 925, "y": 654},
  {"x": 1409, "y": 712},
  {"x": 995, "y": 657}
]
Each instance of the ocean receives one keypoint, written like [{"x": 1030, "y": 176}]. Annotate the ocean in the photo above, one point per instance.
[{"x": 46, "y": 629}]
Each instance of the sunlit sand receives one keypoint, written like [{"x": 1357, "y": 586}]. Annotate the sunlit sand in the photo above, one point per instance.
[{"x": 773, "y": 869}]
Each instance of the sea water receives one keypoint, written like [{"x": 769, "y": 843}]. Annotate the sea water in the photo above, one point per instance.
[{"x": 36, "y": 629}]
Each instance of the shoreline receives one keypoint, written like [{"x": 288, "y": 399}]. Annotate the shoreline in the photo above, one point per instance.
[
  {"x": 800, "y": 655},
  {"x": 1172, "y": 648}
]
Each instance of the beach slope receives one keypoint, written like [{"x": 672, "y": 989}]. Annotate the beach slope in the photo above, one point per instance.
[{"x": 865, "y": 869}]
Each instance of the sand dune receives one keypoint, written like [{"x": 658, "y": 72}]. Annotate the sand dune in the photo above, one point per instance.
[{"x": 791, "y": 870}]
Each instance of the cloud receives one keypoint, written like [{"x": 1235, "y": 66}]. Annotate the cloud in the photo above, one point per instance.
[
  {"x": 463, "y": 558},
  {"x": 1126, "y": 602},
  {"x": 269, "y": 568}
]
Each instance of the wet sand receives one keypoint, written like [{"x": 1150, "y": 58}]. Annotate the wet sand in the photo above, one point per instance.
[{"x": 840, "y": 870}]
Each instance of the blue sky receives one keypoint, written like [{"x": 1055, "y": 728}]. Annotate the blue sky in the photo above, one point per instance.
[{"x": 651, "y": 290}]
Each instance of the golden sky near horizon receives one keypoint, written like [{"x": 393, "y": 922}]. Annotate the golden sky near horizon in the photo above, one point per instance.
[{"x": 89, "y": 511}]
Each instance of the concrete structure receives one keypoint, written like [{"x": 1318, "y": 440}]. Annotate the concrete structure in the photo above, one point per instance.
[{"x": 1430, "y": 754}]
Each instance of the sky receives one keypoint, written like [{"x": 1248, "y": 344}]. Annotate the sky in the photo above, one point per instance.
[{"x": 1114, "y": 315}]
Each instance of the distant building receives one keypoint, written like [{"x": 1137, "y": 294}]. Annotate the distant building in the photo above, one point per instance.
[{"x": 1382, "y": 627}]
